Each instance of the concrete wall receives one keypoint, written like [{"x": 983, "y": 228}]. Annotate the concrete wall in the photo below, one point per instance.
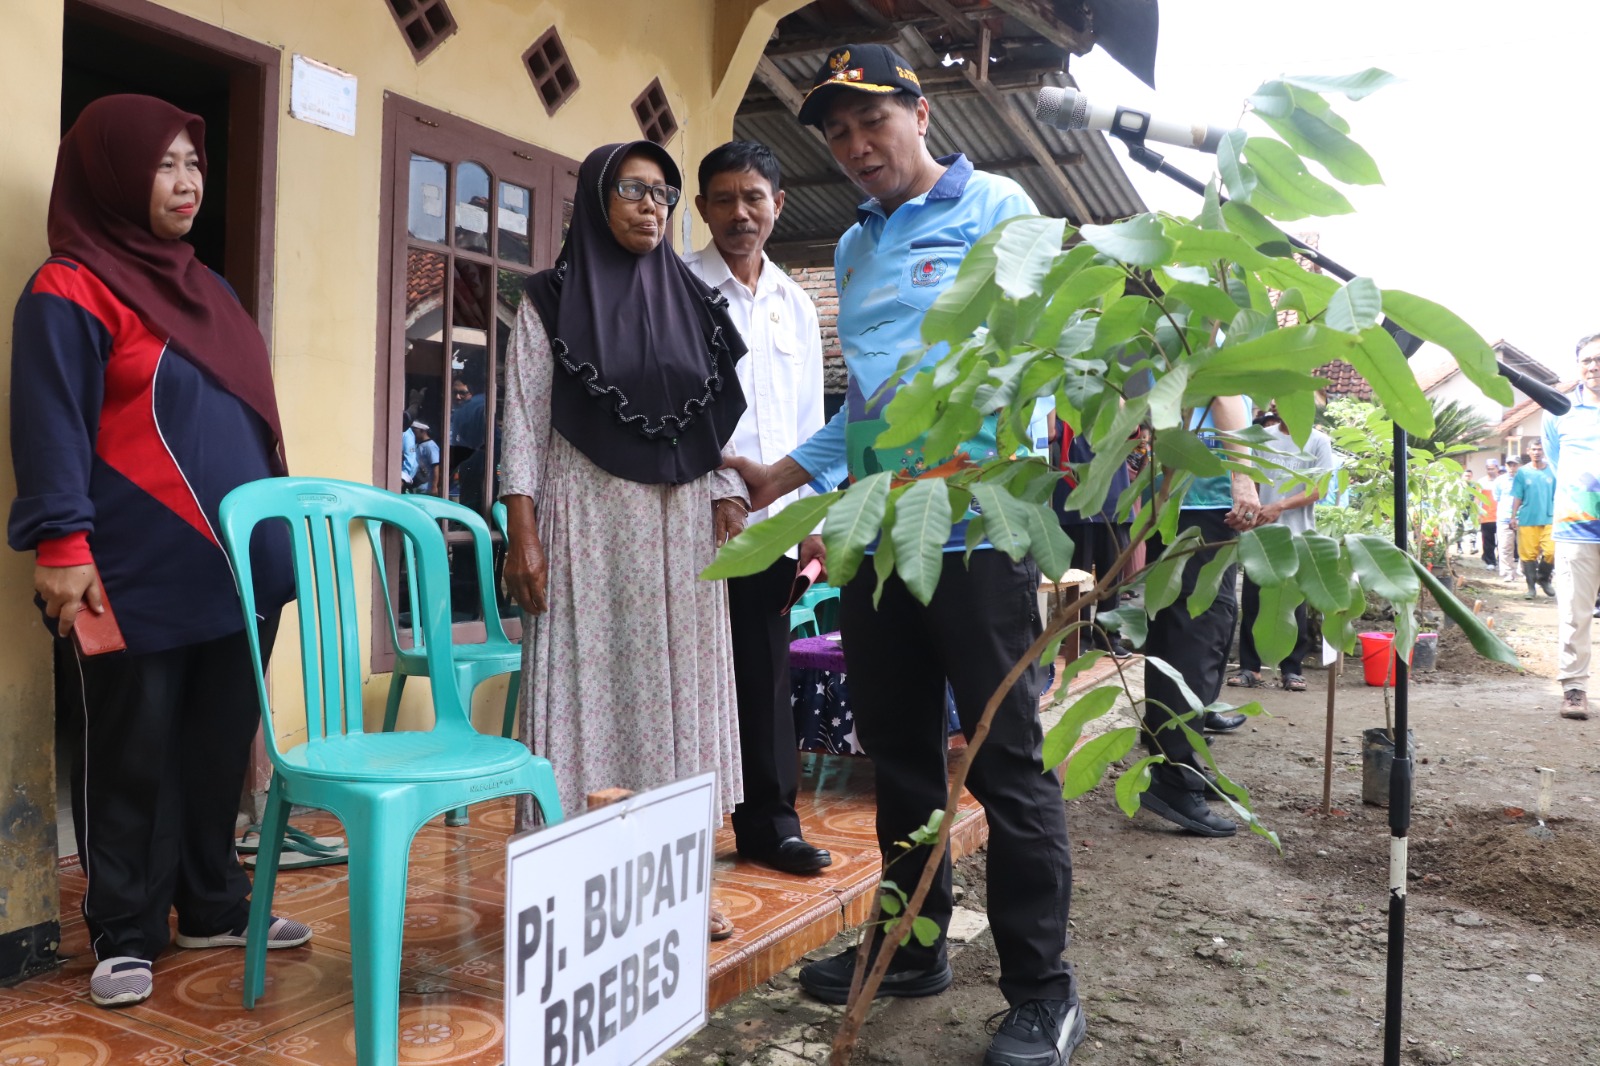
[{"x": 324, "y": 324}]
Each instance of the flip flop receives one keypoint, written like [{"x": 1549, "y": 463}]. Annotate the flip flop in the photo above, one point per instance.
[
  {"x": 251, "y": 840},
  {"x": 721, "y": 927},
  {"x": 1245, "y": 679},
  {"x": 301, "y": 850}
]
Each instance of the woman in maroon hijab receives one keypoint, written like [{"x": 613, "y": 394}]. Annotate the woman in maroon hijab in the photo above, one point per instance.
[{"x": 141, "y": 394}]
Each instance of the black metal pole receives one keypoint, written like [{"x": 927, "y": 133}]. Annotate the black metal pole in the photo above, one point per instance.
[{"x": 1399, "y": 797}]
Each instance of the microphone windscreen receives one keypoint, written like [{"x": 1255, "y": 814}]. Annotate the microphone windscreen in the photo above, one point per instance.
[{"x": 1049, "y": 106}]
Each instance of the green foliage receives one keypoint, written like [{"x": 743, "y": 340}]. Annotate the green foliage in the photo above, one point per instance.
[{"x": 1136, "y": 327}]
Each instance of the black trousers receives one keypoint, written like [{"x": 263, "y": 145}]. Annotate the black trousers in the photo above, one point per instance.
[
  {"x": 1095, "y": 547},
  {"x": 1487, "y": 537},
  {"x": 767, "y": 747},
  {"x": 161, "y": 746},
  {"x": 980, "y": 622},
  {"x": 1197, "y": 647},
  {"x": 1249, "y": 608}
]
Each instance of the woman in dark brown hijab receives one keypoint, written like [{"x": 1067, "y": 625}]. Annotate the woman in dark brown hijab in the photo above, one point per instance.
[{"x": 141, "y": 394}]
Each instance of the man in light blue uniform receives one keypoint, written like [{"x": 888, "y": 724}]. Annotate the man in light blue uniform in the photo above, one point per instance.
[{"x": 922, "y": 216}]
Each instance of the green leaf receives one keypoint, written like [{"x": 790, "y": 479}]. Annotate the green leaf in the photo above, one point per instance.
[
  {"x": 1005, "y": 519},
  {"x": 1051, "y": 547},
  {"x": 1166, "y": 398},
  {"x": 1095, "y": 483},
  {"x": 1139, "y": 241},
  {"x": 921, "y": 528},
  {"x": 926, "y": 930},
  {"x": 1063, "y": 736},
  {"x": 962, "y": 307},
  {"x": 1383, "y": 568},
  {"x": 1026, "y": 252},
  {"x": 1380, "y": 361},
  {"x": 928, "y": 832},
  {"x": 890, "y": 903},
  {"x": 1177, "y": 679},
  {"x": 882, "y": 563},
  {"x": 1210, "y": 216},
  {"x": 1268, "y": 555},
  {"x": 1314, "y": 138},
  {"x": 762, "y": 544},
  {"x": 1484, "y": 640},
  {"x": 1237, "y": 175},
  {"x": 1318, "y": 573},
  {"x": 1355, "y": 86},
  {"x": 852, "y": 523},
  {"x": 1163, "y": 582},
  {"x": 1073, "y": 669},
  {"x": 1275, "y": 630},
  {"x": 1129, "y": 621},
  {"x": 1089, "y": 763},
  {"x": 1281, "y": 173},
  {"x": 1209, "y": 300},
  {"x": 1250, "y": 224},
  {"x": 911, "y": 412},
  {"x": 1209, "y": 580},
  {"x": 1133, "y": 783},
  {"x": 1355, "y": 307},
  {"x": 1119, "y": 321},
  {"x": 1178, "y": 447},
  {"x": 1090, "y": 286},
  {"x": 1426, "y": 319}
]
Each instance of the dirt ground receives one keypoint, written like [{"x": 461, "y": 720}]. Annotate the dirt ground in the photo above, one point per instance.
[{"x": 1191, "y": 950}]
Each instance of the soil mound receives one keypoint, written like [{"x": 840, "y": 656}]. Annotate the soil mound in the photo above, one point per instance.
[{"x": 1489, "y": 861}]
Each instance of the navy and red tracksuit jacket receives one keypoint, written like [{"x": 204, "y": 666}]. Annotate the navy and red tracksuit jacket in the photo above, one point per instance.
[{"x": 123, "y": 451}]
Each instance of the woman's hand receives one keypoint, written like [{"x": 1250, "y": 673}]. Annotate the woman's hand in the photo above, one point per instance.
[
  {"x": 727, "y": 520},
  {"x": 525, "y": 571},
  {"x": 64, "y": 589}
]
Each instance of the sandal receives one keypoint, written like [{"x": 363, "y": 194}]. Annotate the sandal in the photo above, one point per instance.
[
  {"x": 1246, "y": 679},
  {"x": 721, "y": 927},
  {"x": 1294, "y": 682},
  {"x": 300, "y": 849}
]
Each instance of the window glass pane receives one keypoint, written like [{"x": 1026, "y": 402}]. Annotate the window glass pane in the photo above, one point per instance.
[
  {"x": 470, "y": 372},
  {"x": 516, "y": 205},
  {"x": 425, "y": 216},
  {"x": 425, "y": 362},
  {"x": 472, "y": 208}
]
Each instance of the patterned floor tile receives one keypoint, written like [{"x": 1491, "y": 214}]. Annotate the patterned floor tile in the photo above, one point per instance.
[
  {"x": 89, "y": 1035},
  {"x": 455, "y": 1027}
]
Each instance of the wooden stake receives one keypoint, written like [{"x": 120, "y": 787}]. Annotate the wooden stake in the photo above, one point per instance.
[{"x": 1327, "y": 743}]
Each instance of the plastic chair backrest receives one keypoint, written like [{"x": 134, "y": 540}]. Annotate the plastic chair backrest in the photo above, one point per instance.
[
  {"x": 483, "y": 558},
  {"x": 319, "y": 513}
]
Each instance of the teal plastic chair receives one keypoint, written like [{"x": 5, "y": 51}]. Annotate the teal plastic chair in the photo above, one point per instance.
[
  {"x": 474, "y": 663},
  {"x": 802, "y": 622},
  {"x": 823, "y": 600},
  {"x": 382, "y": 786}
]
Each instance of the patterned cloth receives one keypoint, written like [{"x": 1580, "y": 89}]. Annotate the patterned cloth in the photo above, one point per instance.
[
  {"x": 627, "y": 680},
  {"x": 820, "y": 697}
]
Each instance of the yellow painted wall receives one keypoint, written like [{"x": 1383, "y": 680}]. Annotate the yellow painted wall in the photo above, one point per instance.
[
  {"x": 324, "y": 329},
  {"x": 30, "y": 49}
]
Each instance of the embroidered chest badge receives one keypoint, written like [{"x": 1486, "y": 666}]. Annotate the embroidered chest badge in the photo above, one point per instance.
[
  {"x": 848, "y": 271},
  {"x": 928, "y": 271}
]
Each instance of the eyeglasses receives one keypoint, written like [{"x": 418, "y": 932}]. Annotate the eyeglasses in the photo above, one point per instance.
[
  {"x": 1593, "y": 360},
  {"x": 634, "y": 189}
]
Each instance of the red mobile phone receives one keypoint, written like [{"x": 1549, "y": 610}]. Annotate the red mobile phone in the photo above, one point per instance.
[{"x": 97, "y": 634}]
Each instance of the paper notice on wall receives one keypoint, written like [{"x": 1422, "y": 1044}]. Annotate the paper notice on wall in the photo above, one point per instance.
[{"x": 323, "y": 96}]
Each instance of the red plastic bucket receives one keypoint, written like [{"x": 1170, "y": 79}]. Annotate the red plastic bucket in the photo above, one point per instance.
[{"x": 1377, "y": 658}]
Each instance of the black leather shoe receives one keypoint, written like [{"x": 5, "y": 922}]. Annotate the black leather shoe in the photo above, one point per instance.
[
  {"x": 1184, "y": 807},
  {"x": 1222, "y": 721},
  {"x": 792, "y": 856},
  {"x": 829, "y": 979}
]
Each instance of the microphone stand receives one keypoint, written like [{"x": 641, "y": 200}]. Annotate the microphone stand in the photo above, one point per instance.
[{"x": 1401, "y": 770}]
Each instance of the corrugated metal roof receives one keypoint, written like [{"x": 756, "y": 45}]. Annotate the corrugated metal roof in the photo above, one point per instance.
[{"x": 821, "y": 203}]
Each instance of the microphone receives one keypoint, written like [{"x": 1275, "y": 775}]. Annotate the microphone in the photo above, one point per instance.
[
  {"x": 1537, "y": 391},
  {"x": 1068, "y": 109}
]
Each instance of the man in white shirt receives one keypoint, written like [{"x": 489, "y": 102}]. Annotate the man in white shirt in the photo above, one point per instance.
[{"x": 739, "y": 201}]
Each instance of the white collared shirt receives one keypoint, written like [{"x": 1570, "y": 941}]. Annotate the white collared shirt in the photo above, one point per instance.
[{"x": 782, "y": 374}]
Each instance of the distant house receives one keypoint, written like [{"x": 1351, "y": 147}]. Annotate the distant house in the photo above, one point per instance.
[
  {"x": 1443, "y": 382},
  {"x": 1523, "y": 423}
]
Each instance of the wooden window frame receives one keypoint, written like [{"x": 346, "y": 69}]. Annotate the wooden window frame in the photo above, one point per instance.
[
  {"x": 540, "y": 50},
  {"x": 421, "y": 14},
  {"x": 408, "y": 127},
  {"x": 653, "y": 111}
]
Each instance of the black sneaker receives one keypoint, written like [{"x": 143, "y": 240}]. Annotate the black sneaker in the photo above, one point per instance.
[
  {"x": 1040, "y": 1032},
  {"x": 829, "y": 980},
  {"x": 1184, "y": 807}
]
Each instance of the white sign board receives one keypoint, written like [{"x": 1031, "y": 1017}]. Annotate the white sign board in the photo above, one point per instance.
[
  {"x": 607, "y": 924},
  {"x": 323, "y": 96}
]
